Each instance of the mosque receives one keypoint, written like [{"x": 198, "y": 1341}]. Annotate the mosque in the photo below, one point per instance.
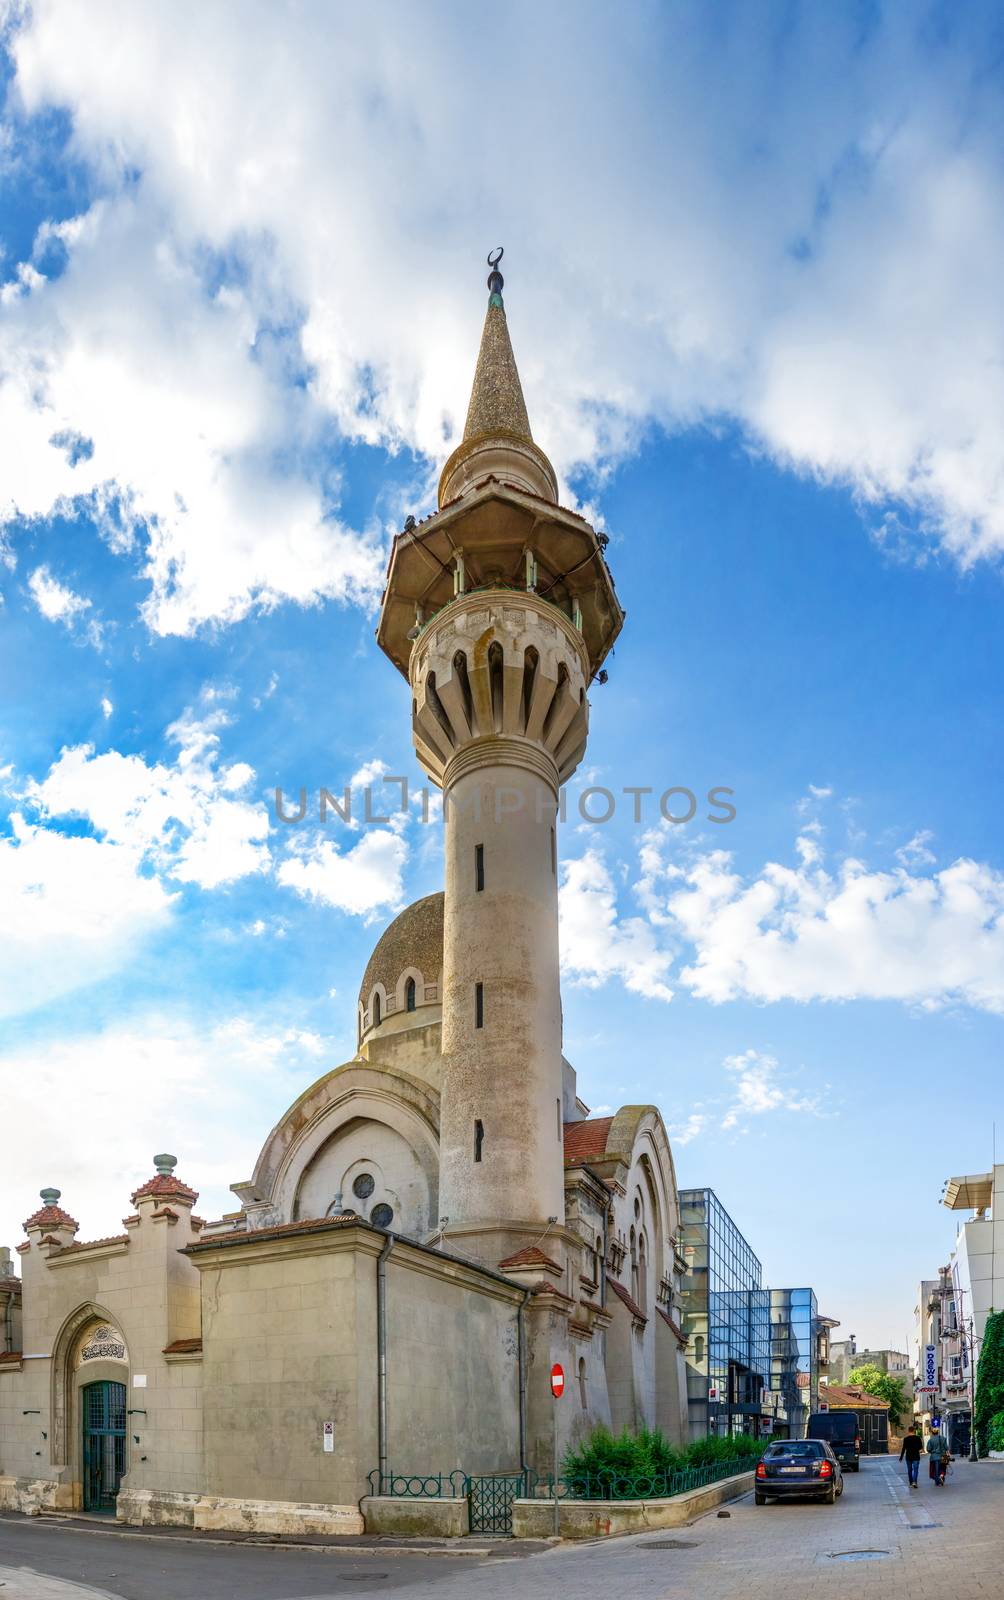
[{"x": 437, "y": 1223}]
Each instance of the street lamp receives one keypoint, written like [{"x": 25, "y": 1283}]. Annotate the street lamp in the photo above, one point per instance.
[{"x": 973, "y": 1452}]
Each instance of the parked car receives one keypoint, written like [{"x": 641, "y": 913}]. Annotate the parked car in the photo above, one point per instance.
[
  {"x": 798, "y": 1467},
  {"x": 842, "y": 1432}
]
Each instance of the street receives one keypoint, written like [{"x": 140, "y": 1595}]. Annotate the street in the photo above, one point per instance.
[{"x": 878, "y": 1540}]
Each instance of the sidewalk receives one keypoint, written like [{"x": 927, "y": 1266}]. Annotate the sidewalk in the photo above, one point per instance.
[{"x": 473, "y": 1545}]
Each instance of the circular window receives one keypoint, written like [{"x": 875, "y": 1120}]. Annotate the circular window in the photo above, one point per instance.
[
  {"x": 363, "y": 1186},
  {"x": 382, "y": 1216}
]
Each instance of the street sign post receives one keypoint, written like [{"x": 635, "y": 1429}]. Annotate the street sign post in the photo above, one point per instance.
[{"x": 557, "y": 1390}]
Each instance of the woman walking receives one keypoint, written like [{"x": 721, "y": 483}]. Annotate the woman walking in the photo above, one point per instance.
[{"x": 937, "y": 1449}]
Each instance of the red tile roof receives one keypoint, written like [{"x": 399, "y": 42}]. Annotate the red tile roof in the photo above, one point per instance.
[
  {"x": 182, "y": 1347},
  {"x": 670, "y": 1323},
  {"x": 51, "y": 1217},
  {"x": 587, "y": 1140},
  {"x": 550, "y": 1288},
  {"x": 632, "y": 1304},
  {"x": 89, "y": 1244},
  {"x": 10, "y": 1358},
  {"x": 166, "y": 1187},
  {"x": 848, "y": 1397},
  {"x": 529, "y": 1256}
]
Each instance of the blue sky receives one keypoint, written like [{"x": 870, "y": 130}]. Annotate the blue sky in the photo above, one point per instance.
[{"x": 752, "y": 278}]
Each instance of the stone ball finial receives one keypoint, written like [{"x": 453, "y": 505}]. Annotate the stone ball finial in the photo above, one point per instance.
[
  {"x": 165, "y": 1165},
  {"x": 50, "y": 1197}
]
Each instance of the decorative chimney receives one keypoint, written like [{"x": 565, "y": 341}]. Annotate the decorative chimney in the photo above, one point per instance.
[
  {"x": 51, "y": 1221},
  {"x": 162, "y": 1195}
]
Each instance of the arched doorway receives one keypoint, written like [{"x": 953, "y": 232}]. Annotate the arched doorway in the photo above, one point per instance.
[{"x": 103, "y": 1414}]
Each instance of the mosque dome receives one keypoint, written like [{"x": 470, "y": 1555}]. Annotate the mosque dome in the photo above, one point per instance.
[{"x": 411, "y": 948}]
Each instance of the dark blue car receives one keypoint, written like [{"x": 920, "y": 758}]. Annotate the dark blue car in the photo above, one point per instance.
[{"x": 796, "y": 1468}]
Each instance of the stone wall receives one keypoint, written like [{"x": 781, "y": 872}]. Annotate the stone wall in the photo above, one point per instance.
[{"x": 290, "y": 1343}]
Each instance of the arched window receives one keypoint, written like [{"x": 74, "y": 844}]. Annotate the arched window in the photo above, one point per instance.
[
  {"x": 582, "y": 1381},
  {"x": 642, "y": 1275},
  {"x": 409, "y": 995},
  {"x": 376, "y": 1011},
  {"x": 698, "y": 1348}
]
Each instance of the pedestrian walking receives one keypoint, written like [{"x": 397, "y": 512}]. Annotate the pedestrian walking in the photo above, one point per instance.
[
  {"x": 937, "y": 1449},
  {"x": 910, "y": 1451}
]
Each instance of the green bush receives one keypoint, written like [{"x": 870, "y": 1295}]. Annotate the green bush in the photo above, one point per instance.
[
  {"x": 606, "y": 1457},
  {"x": 995, "y": 1431},
  {"x": 989, "y": 1380}
]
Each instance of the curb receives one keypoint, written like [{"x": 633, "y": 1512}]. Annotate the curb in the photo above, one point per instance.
[{"x": 354, "y": 1545}]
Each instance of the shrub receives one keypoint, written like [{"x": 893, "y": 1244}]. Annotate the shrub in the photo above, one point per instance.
[
  {"x": 995, "y": 1431},
  {"x": 606, "y": 1464},
  {"x": 989, "y": 1380}
]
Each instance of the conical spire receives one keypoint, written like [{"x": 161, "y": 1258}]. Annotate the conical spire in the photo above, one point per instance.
[
  {"x": 497, "y": 442},
  {"x": 497, "y": 404}
]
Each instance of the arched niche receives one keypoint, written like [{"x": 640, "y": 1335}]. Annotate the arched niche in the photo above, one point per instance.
[{"x": 80, "y": 1358}]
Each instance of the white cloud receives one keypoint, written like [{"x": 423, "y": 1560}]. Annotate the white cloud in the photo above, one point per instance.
[
  {"x": 128, "y": 347},
  {"x": 180, "y": 818},
  {"x": 54, "y": 601},
  {"x": 366, "y": 879},
  {"x": 57, "y": 603},
  {"x": 854, "y": 175},
  {"x": 852, "y": 932},
  {"x": 596, "y": 945},
  {"x": 758, "y": 1089},
  {"x": 75, "y": 910},
  {"x": 208, "y": 1092},
  {"x": 686, "y": 1132},
  {"x": 915, "y": 852},
  {"x": 106, "y": 707}
]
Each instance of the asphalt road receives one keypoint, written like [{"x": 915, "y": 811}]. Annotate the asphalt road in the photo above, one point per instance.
[{"x": 879, "y": 1542}]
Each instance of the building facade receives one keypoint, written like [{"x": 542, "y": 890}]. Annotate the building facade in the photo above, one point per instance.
[
  {"x": 435, "y": 1223},
  {"x": 726, "y": 1320},
  {"x": 952, "y": 1309},
  {"x": 845, "y": 1355},
  {"x": 753, "y": 1354}
]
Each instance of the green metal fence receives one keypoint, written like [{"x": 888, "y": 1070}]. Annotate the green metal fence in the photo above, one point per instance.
[
  {"x": 637, "y": 1485},
  {"x": 572, "y": 1486},
  {"x": 419, "y": 1485}
]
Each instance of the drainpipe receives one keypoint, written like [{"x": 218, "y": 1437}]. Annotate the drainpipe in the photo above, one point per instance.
[
  {"x": 524, "y": 1465},
  {"x": 382, "y": 1358},
  {"x": 603, "y": 1263}
]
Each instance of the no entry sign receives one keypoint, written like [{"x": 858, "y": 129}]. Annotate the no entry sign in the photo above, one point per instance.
[{"x": 557, "y": 1381}]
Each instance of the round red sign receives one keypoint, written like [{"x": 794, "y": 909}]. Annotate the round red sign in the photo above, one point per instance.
[{"x": 557, "y": 1381}]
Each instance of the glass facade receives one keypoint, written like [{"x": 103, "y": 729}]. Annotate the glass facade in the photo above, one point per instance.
[
  {"x": 726, "y": 1317},
  {"x": 752, "y": 1353},
  {"x": 794, "y": 1359}
]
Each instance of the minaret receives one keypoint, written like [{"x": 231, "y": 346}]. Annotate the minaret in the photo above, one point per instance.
[{"x": 499, "y": 609}]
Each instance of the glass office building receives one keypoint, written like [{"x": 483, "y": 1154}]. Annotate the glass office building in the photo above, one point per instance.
[
  {"x": 752, "y": 1353},
  {"x": 793, "y": 1390},
  {"x": 726, "y": 1318}
]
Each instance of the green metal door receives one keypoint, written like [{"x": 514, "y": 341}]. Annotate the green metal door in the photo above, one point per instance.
[
  {"x": 490, "y": 1500},
  {"x": 104, "y": 1416}
]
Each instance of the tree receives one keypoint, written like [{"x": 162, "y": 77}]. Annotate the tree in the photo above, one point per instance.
[
  {"x": 874, "y": 1381},
  {"x": 989, "y": 1379}
]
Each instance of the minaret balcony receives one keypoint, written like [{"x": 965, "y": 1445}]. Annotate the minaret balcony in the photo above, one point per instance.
[{"x": 482, "y": 542}]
